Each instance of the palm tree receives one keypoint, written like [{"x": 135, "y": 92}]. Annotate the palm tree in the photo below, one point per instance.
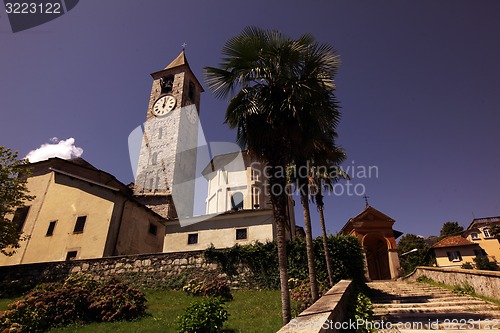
[
  {"x": 323, "y": 177},
  {"x": 276, "y": 104}
]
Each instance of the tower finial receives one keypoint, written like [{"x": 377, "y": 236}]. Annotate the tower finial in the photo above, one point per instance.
[
  {"x": 184, "y": 46},
  {"x": 366, "y": 200}
]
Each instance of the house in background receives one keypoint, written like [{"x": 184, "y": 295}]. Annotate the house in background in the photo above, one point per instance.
[
  {"x": 454, "y": 251},
  {"x": 378, "y": 239},
  {"x": 238, "y": 208},
  {"x": 481, "y": 232},
  {"x": 80, "y": 212}
]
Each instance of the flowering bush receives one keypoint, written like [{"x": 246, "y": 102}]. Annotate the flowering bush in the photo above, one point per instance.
[
  {"x": 79, "y": 299},
  {"x": 300, "y": 293},
  {"x": 217, "y": 287}
]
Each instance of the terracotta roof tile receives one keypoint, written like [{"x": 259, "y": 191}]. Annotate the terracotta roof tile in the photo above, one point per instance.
[{"x": 451, "y": 241}]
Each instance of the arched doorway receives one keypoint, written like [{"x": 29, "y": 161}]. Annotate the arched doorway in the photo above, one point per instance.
[{"x": 377, "y": 258}]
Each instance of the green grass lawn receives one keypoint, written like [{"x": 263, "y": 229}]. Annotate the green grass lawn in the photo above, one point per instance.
[{"x": 250, "y": 311}]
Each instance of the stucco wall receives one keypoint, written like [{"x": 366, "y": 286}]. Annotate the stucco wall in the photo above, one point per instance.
[
  {"x": 467, "y": 254},
  {"x": 220, "y": 231},
  {"x": 486, "y": 283}
]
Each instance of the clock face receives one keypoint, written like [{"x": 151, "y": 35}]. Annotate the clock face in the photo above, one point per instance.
[{"x": 163, "y": 105}]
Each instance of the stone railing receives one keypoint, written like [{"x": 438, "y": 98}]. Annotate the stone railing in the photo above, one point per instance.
[
  {"x": 327, "y": 314},
  {"x": 485, "y": 283}
]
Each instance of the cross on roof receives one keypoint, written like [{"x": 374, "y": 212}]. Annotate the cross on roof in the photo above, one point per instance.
[
  {"x": 184, "y": 46},
  {"x": 366, "y": 200}
]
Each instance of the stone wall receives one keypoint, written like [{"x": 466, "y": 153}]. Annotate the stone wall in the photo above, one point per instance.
[
  {"x": 485, "y": 283},
  {"x": 146, "y": 270},
  {"x": 328, "y": 314}
]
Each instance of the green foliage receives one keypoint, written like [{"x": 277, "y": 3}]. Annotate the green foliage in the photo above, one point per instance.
[
  {"x": 411, "y": 260},
  {"x": 261, "y": 260},
  {"x": 363, "y": 312},
  {"x": 206, "y": 315},
  {"x": 467, "y": 265},
  {"x": 450, "y": 229},
  {"x": 13, "y": 194},
  {"x": 214, "y": 287},
  {"x": 464, "y": 289},
  {"x": 484, "y": 263},
  {"x": 79, "y": 299},
  {"x": 300, "y": 293},
  {"x": 424, "y": 279}
]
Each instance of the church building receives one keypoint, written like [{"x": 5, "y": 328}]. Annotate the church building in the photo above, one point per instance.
[{"x": 378, "y": 240}]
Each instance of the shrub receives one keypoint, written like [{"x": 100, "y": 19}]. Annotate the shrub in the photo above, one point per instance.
[
  {"x": 80, "y": 299},
  {"x": 115, "y": 300},
  {"x": 261, "y": 260},
  {"x": 214, "y": 287},
  {"x": 485, "y": 264},
  {"x": 467, "y": 265},
  {"x": 206, "y": 315},
  {"x": 300, "y": 293}
]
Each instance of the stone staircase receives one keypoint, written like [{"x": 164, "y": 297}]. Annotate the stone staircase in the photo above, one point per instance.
[{"x": 416, "y": 307}]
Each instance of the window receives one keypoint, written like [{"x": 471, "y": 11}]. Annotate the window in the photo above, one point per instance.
[
  {"x": 480, "y": 253},
  {"x": 160, "y": 133},
  {"x": 191, "y": 91},
  {"x": 154, "y": 159},
  {"x": 486, "y": 233},
  {"x": 20, "y": 217},
  {"x": 241, "y": 233},
  {"x": 474, "y": 235},
  {"x": 80, "y": 224},
  {"x": 50, "y": 230},
  {"x": 237, "y": 201},
  {"x": 71, "y": 255},
  {"x": 166, "y": 84},
  {"x": 454, "y": 256},
  {"x": 192, "y": 238},
  {"x": 153, "y": 229}
]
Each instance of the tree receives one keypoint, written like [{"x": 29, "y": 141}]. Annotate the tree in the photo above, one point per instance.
[
  {"x": 13, "y": 195},
  {"x": 280, "y": 89},
  {"x": 450, "y": 229},
  {"x": 322, "y": 178},
  {"x": 411, "y": 260}
]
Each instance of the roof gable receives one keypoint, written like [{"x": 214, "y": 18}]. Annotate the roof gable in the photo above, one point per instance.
[{"x": 452, "y": 241}]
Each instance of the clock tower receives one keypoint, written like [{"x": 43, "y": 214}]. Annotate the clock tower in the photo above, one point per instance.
[{"x": 167, "y": 159}]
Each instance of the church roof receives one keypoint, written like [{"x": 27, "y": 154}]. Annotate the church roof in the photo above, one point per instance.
[
  {"x": 368, "y": 215},
  {"x": 179, "y": 61},
  {"x": 452, "y": 241}
]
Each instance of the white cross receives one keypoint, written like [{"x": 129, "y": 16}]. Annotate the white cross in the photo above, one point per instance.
[{"x": 184, "y": 45}]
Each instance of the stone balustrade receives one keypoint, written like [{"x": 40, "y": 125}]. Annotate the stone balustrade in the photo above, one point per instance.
[
  {"x": 485, "y": 283},
  {"x": 328, "y": 314}
]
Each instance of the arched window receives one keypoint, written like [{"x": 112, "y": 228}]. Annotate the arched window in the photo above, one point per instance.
[
  {"x": 191, "y": 91},
  {"x": 154, "y": 159},
  {"x": 166, "y": 84},
  {"x": 237, "y": 201}
]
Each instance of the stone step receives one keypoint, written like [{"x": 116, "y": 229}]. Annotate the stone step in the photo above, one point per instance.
[
  {"x": 436, "y": 309},
  {"x": 422, "y": 299},
  {"x": 430, "y": 309},
  {"x": 433, "y": 303}
]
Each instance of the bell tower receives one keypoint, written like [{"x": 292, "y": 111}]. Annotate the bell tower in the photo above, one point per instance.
[{"x": 167, "y": 159}]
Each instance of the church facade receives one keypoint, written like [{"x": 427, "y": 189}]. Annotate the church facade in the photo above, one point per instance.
[{"x": 375, "y": 232}]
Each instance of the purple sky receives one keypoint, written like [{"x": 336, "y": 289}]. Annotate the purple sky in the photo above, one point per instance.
[{"x": 419, "y": 89}]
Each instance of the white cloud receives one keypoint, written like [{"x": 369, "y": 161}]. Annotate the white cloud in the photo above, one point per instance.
[{"x": 57, "y": 148}]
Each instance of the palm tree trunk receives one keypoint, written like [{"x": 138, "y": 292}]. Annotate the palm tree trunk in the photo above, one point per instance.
[
  {"x": 325, "y": 244},
  {"x": 279, "y": 211},
  {"x": 304, "y": 198}
]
